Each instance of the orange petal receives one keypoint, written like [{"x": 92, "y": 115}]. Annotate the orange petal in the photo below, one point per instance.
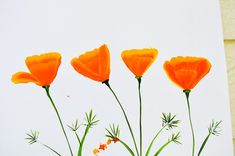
[
  {"x": 186, "y": 78},
  {"x": 94, "y": 64},
  {"x": 44, "y": 67},
  {"x": 84, "y": 70},
  {"x": 169, "y": 69},
  {"x": 23, "y": 77},
  {"x": 187, "y": 71},
  {"x": 139, "y": 60},
  {"x": 104, "y": 62}
]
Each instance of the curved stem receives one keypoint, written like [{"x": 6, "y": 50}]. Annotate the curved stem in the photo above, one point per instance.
[
  {"x": 127, "y": 147},
  {"x": 124, "y": 113},
  {"x": 151, "y": 144},
  {"x": 140, "y": 117},
  {"x": 203, "y": 144},
  {"x": 190, "y": 120},
  {"x": 162, "y": 147},
  {"x": 48, "y": 147},
  {"x": 79, "y": 141},
  {"x": 83, "y": 139},
  {"x": 58, "y": 116}
]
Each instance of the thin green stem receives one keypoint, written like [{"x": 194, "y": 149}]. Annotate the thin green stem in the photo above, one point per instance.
[
  {"x": 155, "y": 137},
  {"x": 187, "y": 92},
  {"x": 83, "y": 139},
  {"x": 48, "y": 147},
  {"x": 203, "y": 144},
  {"x": 59, "y": 118},
  {"x": 127, "y": 147},
  {"x": 162, "y": 147},
  {"x": 140, "y": 117},
  {"x": 124, "y": 113},
  {"x": 77, "y": 137}
]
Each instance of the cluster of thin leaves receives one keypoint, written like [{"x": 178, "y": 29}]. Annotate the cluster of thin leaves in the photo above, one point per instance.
[
  {"x": 32, "y": 137},
  {"x": 175, "y": 138},
  {"x": 169, "y": 121},
  {"x": 215, "y": 128},
  {"x": 74, "y": 126},
  {"x": 91, "y": 119},
  {"x": 113, "y": 131}
]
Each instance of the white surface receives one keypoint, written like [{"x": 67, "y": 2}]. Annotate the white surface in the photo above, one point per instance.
[{"x": 183, "y": 27}]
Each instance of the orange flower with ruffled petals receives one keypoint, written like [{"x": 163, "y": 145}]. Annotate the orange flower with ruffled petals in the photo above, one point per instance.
[
  {"x": 103, "y": 147},
  {"x": 139, "y": 60},
  {"x": 43, "y": 69},
  {"x": 187, "y": 71},
  {"x": 94, "y": 64}
]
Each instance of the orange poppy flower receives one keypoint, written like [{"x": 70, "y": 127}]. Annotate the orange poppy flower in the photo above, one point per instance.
[
  {"x": 94, "y": 64},
  {"x": 139, "y": 60},
  {"x": 43, "y": 69},
  {"x": 187, "y": 71}
]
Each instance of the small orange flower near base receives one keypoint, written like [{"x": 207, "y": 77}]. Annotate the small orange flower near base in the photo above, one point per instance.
[
  {"x": 187, "y": 71},
  {"x": 43, "y": 69},
  {"x": 139, "y": 60},
  {"x": 103, "y": 147},
  {"x": 94, "y": 64}
]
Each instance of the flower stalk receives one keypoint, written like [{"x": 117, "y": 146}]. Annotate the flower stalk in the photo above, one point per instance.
[
  {"x": 140, "y": 113},
  {"x": 59, "y": 118},
  {"x": 124, "y": 113},
  {"x": 187, "y": 92}
]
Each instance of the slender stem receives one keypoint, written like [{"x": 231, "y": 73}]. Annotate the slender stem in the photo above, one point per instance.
[
  {"x": 83, "y": 139},
  {"x": 77, "y": 137},
  {"x": 124, "y": 113},
  {"x": 58, "y": 116},
  {"x": 162, "y": 147},
  {"x": 190, "y": 120},
  {"x": 151, "y": 144},
  {"x": 48, "y": 147},
  {"x": 127, "y": 147},
  {"x": 204, "y": 143},
  {"x": 140, "y": 117}
]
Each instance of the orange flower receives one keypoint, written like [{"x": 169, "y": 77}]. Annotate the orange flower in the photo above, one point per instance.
[
  {"x": 139, "y": 60},
  {"x": 94, "y": 64},
  {"x": 187, "y": 71},
  {"x": 43, "y": 69},
  {"x": 103, "y": 147}
]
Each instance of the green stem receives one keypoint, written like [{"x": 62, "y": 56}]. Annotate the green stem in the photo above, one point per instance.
[
  {"x": 187, "y": 92},
  {"x": 162, "y": 147},
  {"x": 48, "y": 147},
  {"x": 140, "y": 117},
  {"x": 127, "y": 147},
  {"x": 203, "y": 144},
  {"x": 83, "y": 139},
  {"x": 58, "y": 116},
  {"x": 155, "y": 137},
  {"x": 124, "y": 113},
  {"x": 77, "y": 137}
]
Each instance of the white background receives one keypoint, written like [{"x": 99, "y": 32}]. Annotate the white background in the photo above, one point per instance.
[{"x": 182, "y": 27}]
